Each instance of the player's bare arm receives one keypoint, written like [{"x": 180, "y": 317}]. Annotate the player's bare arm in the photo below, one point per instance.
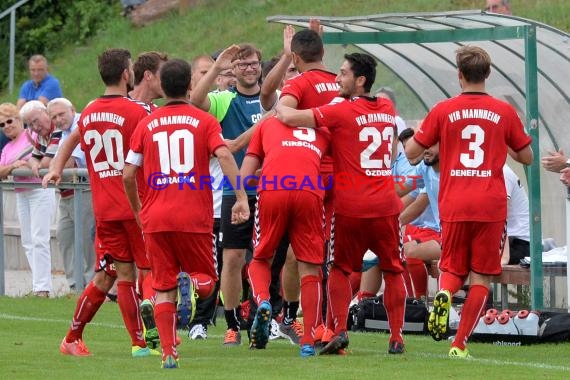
[
  {"x": 415, "y": 209},
  {"x": 414, "y": 151},
  {"x": 200, "y": 92},
  {"x": 272, "y": 81},
  {"x": 524, "y": 156},
  {"x": 295, "y": 118},
  {"x": 240, "y": 211},
  {"x": 130, "y": 184},
  {"x": 249, "y": 168},
  {"x": 63, "y": 154},
  {"x": 242, "y": 140}
]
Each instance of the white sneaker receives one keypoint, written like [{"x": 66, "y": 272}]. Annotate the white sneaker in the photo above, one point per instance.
[
  {"x": 274, "y": 330},
  {"x": 198, "y": 331}
]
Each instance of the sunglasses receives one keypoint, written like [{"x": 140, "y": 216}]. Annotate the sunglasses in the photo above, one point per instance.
[{"x": 7, "y": 122}]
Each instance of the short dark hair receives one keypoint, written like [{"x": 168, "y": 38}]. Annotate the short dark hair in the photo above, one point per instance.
[
  {"x": 363, "y": 65},
  {"x": 112, "y": 63},
  {"x": 308, "y": 45},
  {"x": 175, "y": 76},
  {"x": 150, "y": 61},
  {"x": 405, "y": 134}
]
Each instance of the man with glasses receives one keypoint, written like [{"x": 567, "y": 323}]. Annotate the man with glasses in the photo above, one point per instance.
[
  {"x": 237, "y": 109},
  {"x": 498, "y": 6}
]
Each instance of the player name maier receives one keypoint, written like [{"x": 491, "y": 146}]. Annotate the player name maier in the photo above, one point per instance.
[
  {"x": 376, "y": 118},
  {"x": 303, "y": 144},
  {"x": 470, "y": 173},
  {"x": 474, "y": 113},
  {"x": 326, "y": 86},
  {"x": 109, "y": 117},
  {"x": 173, "y": 120}
]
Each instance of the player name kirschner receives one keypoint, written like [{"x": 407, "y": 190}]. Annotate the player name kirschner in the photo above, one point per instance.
[
  {"x": 303, "y": 144},
  {"x": 173, "y": 120},
  {"x": 474, "y": 113}
]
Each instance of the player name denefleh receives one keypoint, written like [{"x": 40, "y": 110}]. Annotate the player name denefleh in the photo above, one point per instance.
[
  {"x": 470, "y": 173},
  {"x": 474, "y": 113}
]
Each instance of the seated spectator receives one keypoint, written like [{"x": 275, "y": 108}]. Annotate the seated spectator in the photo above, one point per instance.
[
  {"x": 518, "y": 229},
  {"x": 35, "y": 206},
  {"x": 41, "y": 85}
]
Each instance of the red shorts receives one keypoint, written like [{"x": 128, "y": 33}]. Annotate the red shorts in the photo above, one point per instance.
[
  {"x": 175, "y": 252},
  {"x": 420, "y": 234},
  {"x": 103, "y": 260},
  {"x": 123, "y": 241},
  {"x": 295, "y": 212},
  {"x": 352, "y": 237},
  {"x": 472, "y": 246}
]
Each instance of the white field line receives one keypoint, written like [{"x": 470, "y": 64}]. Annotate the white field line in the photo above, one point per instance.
[{"x": 419, "y": 354}]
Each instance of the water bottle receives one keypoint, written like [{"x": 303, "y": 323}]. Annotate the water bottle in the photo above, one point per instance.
[
  {"x": 527, "y": 322},
  {"x": 482, "y": 327},
  {"x": 506, "y": 324}
]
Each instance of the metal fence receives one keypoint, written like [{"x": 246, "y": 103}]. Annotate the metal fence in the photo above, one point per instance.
[{"x": 71, "y": 179}]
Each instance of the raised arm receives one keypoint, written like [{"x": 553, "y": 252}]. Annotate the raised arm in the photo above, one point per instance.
[
  {"x": 273, "y": 80},
  {"x": 199, "y": 96}
]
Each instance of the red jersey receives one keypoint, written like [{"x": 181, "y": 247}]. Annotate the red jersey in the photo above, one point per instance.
[
  {"x": 291, "y": 156},
  {"x": 362, "y": 133},
  {"x": 313, "y": 88},
  {"x": 105, "y": 127},
  {"x": 174, "y": 145},
  {"x": 474, "y": 130}
]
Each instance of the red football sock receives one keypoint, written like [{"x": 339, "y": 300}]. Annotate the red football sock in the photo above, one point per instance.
[
  {"x": 165, "y": 318},
  {"x": 311, "y": 303},
  {"x": 87, "y": 305},
  {"x": 259, "y": 273},
  {"x": 129, "y": 305},
  {"x": 203, "y": 284},
  {"x": 147, "y": 292},
  {"x": 395, "y": 304},
  {"x": 470, "y": 313},
  {"x": 451, "y": 282},
  {"x": 339, "y": 298},
  {"x": 363, "y": 294},
  {"x": 419, "y": 276}
]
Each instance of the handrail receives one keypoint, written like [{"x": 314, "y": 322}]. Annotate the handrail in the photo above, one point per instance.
[
  {"x": 12, "y": 12},
  {"x": 71, "y": 179},
  {"x": 13, "y": 8}
]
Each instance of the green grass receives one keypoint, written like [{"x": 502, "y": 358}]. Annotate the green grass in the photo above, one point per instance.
[
  {"x": 212, "y": 25},
  {"x": 32, "y": 328}
]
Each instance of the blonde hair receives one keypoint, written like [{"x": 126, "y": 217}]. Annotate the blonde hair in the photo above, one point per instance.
[{"x": 9, "y": 110}]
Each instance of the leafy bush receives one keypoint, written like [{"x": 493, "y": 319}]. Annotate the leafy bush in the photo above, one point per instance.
[{"x": 45, "y": 26}]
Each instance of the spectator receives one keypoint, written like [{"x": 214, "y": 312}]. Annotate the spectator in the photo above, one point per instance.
[
  {"x": 35, "y": 206},
  {"x": 237, "y": 109},
  {"x": 498, "y": 6},
  {"x": 42, "y": 86},
  {"x": 64, "y": 117},
  {"x": 518, "y": 229}
]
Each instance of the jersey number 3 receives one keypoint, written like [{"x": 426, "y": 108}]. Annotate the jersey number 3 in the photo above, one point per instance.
[{"x": 476, "y": 136}]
